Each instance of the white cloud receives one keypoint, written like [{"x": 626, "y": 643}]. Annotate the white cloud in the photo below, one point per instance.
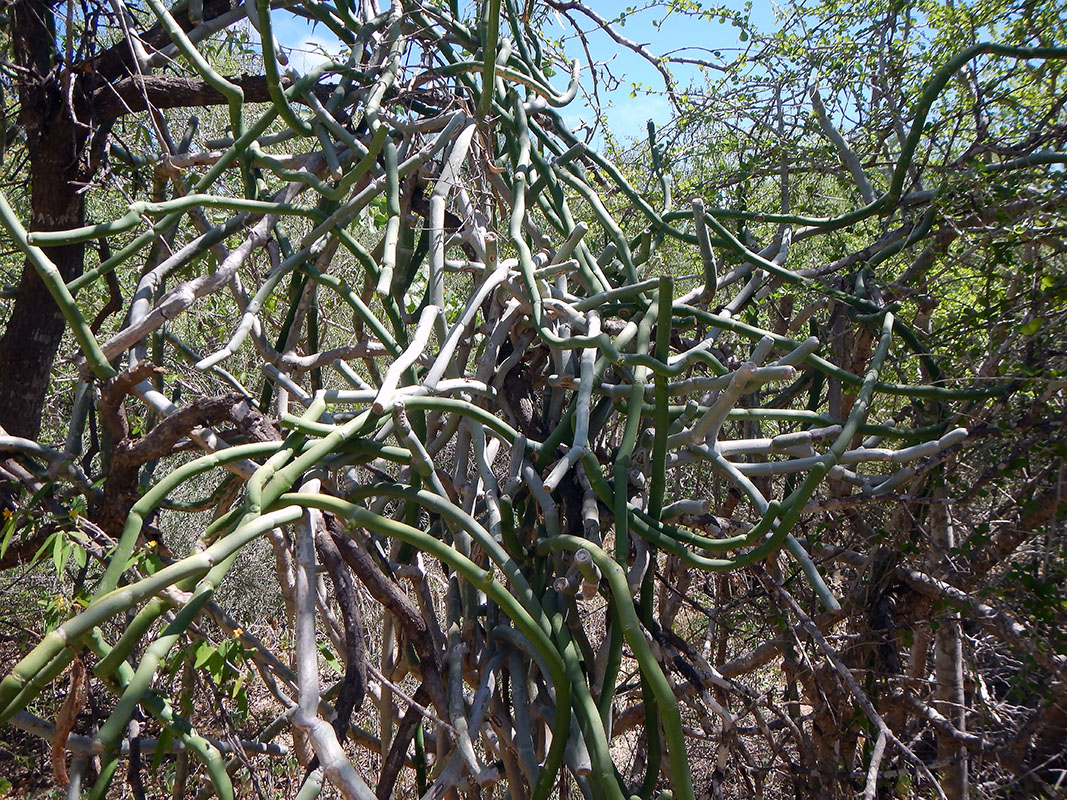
[
  {"x": 312, "y": 50},
  {"x": 629, "y": 114}
]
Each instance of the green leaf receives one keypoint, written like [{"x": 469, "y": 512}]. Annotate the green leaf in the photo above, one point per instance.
[
  {"x": 1032, "y": 327},
  {"x": 8, "y": 533},
  {"x": 48, "y": 544},
  {"x": 238, "y": 687},
  {"x": 230, "y": 650},
  {"x": 60, "y": 552},
  {"x": 216, "y": 667},
  {"x": 204, "y": 651},
  {"x": 330, "y": 659}
]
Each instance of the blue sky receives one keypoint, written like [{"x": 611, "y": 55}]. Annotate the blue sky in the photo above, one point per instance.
[
  {"x": 627, "y": 115},
  {"x": 660, "y": 33}
]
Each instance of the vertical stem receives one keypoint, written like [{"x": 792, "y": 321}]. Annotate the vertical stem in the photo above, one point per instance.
[
  {"x": 657, "y": 489},
  {"x": 492, "y": 33},
  {"x": 948, "y": 662}
]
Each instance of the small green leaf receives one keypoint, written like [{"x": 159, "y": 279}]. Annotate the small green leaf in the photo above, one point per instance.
[
  {"x": 48, "y": 544},
  {"x": 9, "y": 531},
  {"x": 217, "y": 667},
  {"x": 330, "y": 659},
  {"x": 60, "y": 552},
  {"x": 204, "y": 651},
  {"x": 1032, "y": 327}
]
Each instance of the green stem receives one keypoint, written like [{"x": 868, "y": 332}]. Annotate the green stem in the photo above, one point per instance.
[
  {"x": 53, "y": 281},
  {"x": 492, "y": 33},
  {"x": 623, "y": 608}
]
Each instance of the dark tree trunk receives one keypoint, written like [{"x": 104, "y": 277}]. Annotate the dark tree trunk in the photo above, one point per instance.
[
  {"x": 59, "y": 162},
  {"x": 66, "y": 116}
]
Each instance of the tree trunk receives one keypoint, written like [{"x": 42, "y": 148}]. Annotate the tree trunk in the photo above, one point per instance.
[
  {"x": 66, "y": 126},
  {"x": 948, "y": 663},
  {"x": 58, "y": 145}
]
